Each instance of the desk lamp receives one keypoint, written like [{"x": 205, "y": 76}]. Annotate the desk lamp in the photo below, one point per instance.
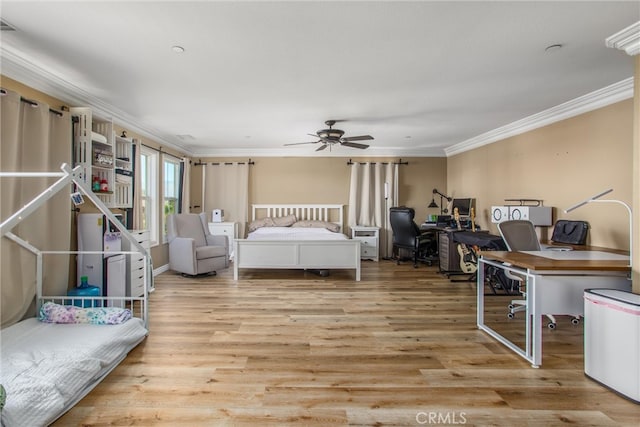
[
  {"x": 443, "y": 209},
  {"x": 595, "y": 199}
]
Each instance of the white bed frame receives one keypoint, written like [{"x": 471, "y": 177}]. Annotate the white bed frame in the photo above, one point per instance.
[
  {"x": 298, "y": 254},
  {"x": 68, "y": 176},
  {"x": 137, "y": 305}
]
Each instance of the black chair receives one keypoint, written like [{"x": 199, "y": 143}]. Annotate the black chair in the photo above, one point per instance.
[{"x": 408, "y": 236}]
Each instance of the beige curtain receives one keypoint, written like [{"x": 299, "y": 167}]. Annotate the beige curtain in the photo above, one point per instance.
[
  {"x": 33, "y": 139},
  {"x": 226, "y": 187},
  {"x": 186, "y": 185},
  {"x": 373, "y": 190}
]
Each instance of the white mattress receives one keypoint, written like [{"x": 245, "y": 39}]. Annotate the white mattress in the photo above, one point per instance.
[
  {"x": 294, "y": 233},
  {"x": 48, "y": 367}
]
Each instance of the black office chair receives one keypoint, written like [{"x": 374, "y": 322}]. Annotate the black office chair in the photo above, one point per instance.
[{"x": 408, "y": 236}]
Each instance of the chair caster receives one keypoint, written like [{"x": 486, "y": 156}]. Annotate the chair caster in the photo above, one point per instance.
[
  {"x": 551, "y": 325},
  {"x": 511, "y": 307},
  {"x": 511, "y": 315},
  {"x": 575, "y": 321}
]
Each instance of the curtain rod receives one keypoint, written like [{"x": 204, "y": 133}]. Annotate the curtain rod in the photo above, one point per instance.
[
  {"x": 399, "y": 162},
  {"x": 34, "y": 103},
  {"x": 200, "y": 163},
  {"x": 159, "y": 150}
]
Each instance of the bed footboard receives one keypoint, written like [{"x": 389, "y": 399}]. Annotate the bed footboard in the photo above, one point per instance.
[{"x": 301, "y": 254}]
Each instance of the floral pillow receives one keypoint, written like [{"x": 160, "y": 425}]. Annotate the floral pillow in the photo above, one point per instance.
[{"x": 56, "y": 313}]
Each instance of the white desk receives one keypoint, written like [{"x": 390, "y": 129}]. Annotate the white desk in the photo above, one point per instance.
[{"x": 555, "y": 284}]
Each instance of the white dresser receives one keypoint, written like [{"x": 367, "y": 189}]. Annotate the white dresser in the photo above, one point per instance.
[
  {"x": 135, "y": 263},
  {"x": 369, "y": 238},
  {"x": 228, "y": 228}
]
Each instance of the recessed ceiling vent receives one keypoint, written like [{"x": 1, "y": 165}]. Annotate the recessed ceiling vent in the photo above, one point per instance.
[{"x": 5, "y": 26}]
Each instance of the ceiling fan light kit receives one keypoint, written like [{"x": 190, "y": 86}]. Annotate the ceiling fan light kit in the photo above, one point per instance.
[{"x": 331, "y": 136}]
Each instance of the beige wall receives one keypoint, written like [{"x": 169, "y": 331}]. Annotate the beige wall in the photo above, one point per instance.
[
  {"x": 561, "y": 164},
  {"x": 326, "y": 180}
]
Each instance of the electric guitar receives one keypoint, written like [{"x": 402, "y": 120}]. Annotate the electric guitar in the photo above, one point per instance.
[
  {"x": 468, "y": 260},
  {"x": 473, "y": 220}
]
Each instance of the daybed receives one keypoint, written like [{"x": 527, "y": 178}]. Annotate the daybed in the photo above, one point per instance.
[
  {"x": 48, "y": 366},
  {"x": 312, "y": 248}
]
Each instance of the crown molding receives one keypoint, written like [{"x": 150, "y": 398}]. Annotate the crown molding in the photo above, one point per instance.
[
  {"x": 627, "y": 39},
  {"x": 337, "y": 152},
  {"x": 600, "y": 98},
  {"x": 17, "y": 67}
]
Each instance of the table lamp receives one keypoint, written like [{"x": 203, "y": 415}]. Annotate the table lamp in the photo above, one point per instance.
[
  {"x": 596, "y": 199},
  {"x": 433, "y": 204}
]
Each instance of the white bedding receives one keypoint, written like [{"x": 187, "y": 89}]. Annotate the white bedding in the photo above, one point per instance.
[
  {"x": 45, "y": 367},
  {"x": 294, "y": 233}
]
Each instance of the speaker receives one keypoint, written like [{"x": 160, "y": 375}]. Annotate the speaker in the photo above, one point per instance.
[
  {"x": 499, "y": 214},
  {"x": 217, "y": 215}
]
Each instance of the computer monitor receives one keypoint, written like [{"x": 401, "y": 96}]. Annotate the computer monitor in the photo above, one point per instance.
[{"x": 464, "y": 206}]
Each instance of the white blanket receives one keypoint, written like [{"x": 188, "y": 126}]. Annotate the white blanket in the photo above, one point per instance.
[
  {"x": 45, "y": 366},
  {"x": 294, "y": 233}
]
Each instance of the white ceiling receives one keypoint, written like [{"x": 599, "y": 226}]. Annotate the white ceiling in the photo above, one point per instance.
[{"x": 421, "y": 77}]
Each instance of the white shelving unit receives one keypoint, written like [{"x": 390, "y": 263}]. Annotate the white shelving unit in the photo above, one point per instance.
[
  {"x": 124, "y": 172},
  {"x": 102, "y": 155}
]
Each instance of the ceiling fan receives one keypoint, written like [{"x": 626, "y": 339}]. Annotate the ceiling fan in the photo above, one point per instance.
[{"x": 329, "y": 137}]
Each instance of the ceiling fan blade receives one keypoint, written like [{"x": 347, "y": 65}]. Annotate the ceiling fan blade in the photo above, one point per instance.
[
  {"x": 300, "y": 143},
  {"x": 354, "y": 145},
  {"x": 322, "y": 147},
  {"x": 357, "y": 138}
]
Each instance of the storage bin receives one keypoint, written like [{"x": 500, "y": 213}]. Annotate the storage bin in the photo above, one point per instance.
[{"x": 612, "y": 340}]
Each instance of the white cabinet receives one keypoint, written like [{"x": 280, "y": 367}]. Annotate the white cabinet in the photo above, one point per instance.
[
  {"x": 136, "y": 263},
  {"x": 229, "y": 229},
  {"x": 106, "y": 159},
  {"x": 369, "y": 238}
]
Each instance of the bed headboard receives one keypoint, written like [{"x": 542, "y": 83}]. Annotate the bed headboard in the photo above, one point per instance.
[{"x": 329, "y": 213}]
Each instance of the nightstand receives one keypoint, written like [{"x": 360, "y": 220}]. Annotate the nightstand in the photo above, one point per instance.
[
  {"x": 369, "y": 238},
  {"x": 229, "y": 229}
]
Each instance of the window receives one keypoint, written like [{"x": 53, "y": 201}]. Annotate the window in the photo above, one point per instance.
[
  {"x": 171, "y": 191},
  {"x": 149, "y": 193}
]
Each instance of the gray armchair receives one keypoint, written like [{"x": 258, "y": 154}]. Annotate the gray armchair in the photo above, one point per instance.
[{"x": 192, "y": 249}]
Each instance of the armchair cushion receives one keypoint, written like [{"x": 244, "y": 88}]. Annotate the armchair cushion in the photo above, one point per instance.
[
  {"x": 187, "y": 226},
  {"x": 204, "y": 252}
]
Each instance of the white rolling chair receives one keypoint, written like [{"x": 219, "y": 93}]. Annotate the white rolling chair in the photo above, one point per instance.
[{"x": 520, "y": 235}]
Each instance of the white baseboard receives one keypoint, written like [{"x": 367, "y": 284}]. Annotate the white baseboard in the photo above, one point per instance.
[{"x": 160, "y": 270}]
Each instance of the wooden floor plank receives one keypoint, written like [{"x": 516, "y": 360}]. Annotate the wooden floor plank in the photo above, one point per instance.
[{"x": 284, "y": 347}]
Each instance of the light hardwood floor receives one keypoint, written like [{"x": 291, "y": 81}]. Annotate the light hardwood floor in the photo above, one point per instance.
[{"x": 279, "y": 348}]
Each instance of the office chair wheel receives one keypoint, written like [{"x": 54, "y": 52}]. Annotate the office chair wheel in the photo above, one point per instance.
[
  {"x": 511, "y": 306},
  {"x": 511, "y": 315},
  {"x": 551, "y": 325},
  {"x": 575, "y": 321}
]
